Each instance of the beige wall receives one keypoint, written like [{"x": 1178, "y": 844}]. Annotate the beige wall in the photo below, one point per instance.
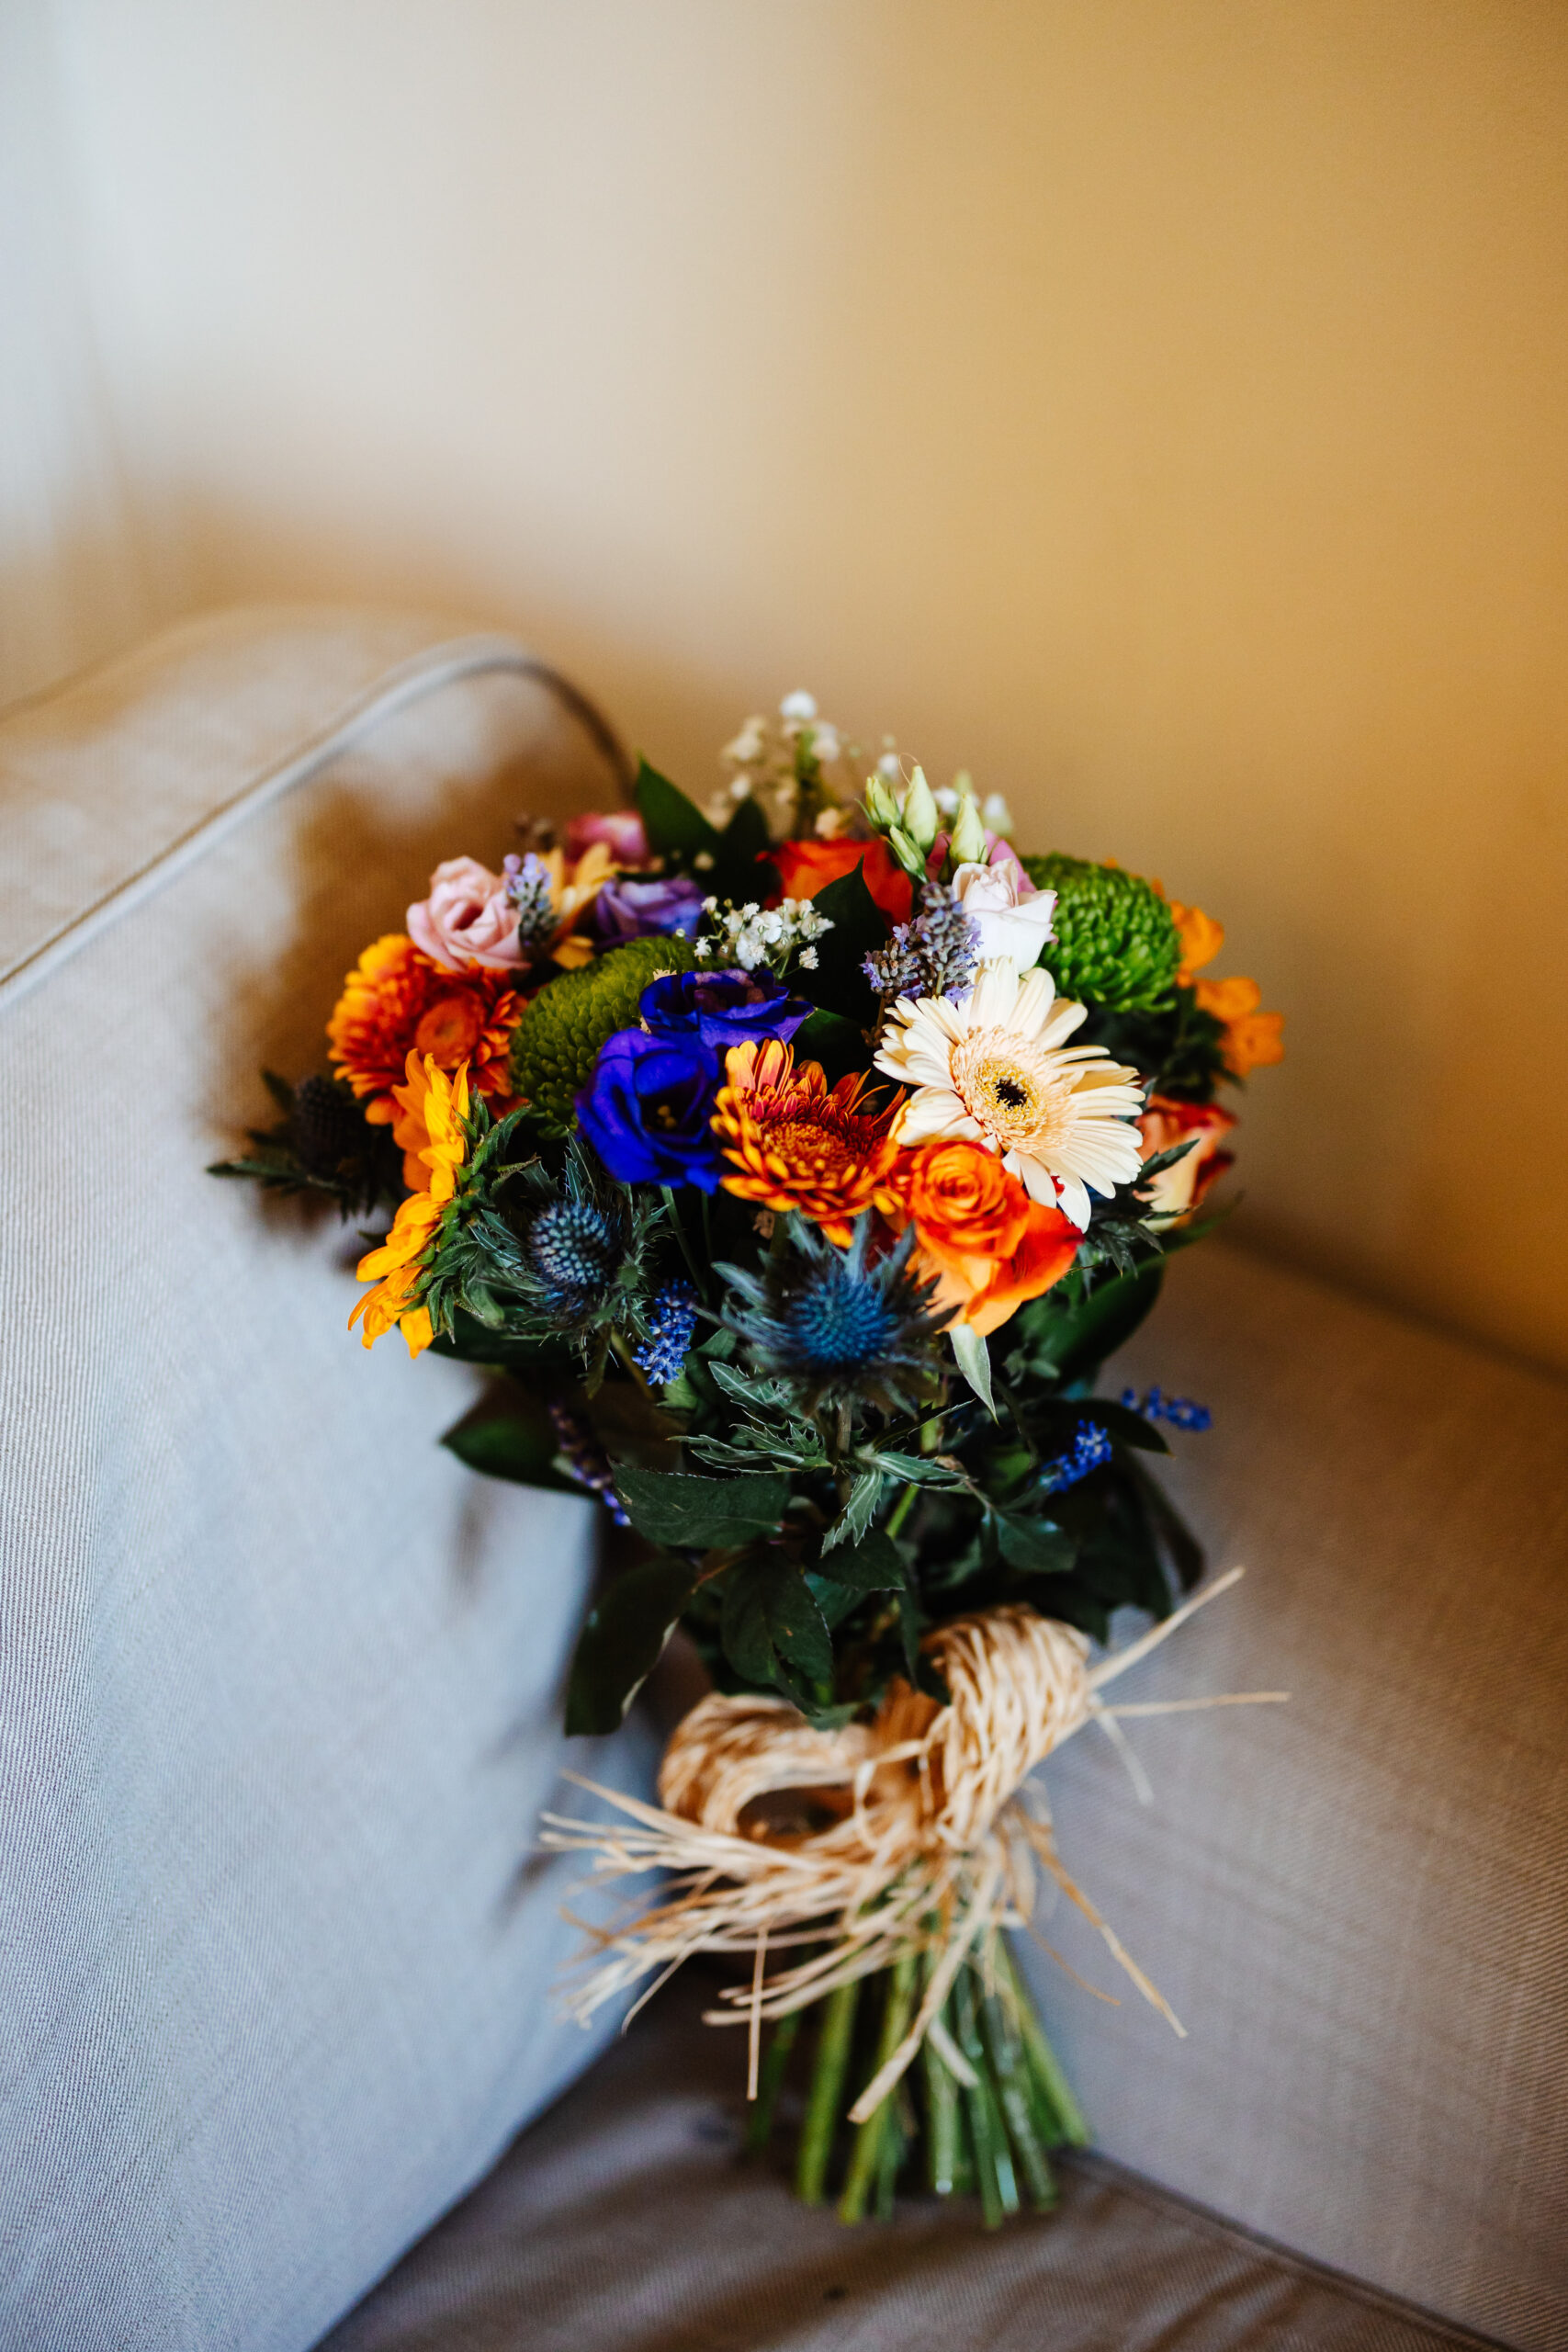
[{"x": 1155, "y": 404}]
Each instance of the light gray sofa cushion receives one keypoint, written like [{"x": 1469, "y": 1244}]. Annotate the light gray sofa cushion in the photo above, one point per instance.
[{"x": 278, "y": 1679}]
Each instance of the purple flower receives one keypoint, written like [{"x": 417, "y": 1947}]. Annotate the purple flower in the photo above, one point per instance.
[
  {"x": 722, "y": 1009},
  {"x": 628, "y": 908},
  {"x": 648, "y": 1110}
]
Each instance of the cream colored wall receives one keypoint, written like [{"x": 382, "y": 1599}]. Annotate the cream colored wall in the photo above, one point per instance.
[{"x": 1157, "y": 405}]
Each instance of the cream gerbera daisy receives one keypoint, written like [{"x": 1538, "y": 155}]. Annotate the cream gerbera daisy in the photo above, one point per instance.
[{"x": 996, "y": 1067}]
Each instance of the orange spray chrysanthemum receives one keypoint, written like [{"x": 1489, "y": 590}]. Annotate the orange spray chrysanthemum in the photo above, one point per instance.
[
  {"x": 442, "y": 1107},
  {"x": 396, "y": 1002},
  {"x": 796, "y": 1143},
  {"x": 1253, "y": 1039}
]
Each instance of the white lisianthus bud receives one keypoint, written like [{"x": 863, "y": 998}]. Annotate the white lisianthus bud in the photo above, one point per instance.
[
  {"x": 911, "y": 859},
  {"x": 1013, "y": 919},
  {"x": 920, "y": 821},
  {"x": 799, "y": 705},
  {"x": 968, "y": 843},
  {"x": 997, "y": 814},
  {"x": 880, "y": 804}
]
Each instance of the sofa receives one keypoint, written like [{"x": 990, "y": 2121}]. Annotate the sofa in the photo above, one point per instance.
[{"x": 280, "y": 1698}]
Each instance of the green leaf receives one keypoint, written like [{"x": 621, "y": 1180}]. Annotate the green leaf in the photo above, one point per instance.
[
  {"x": 873, "y": 1565},
  {"x": 675, "y": 826},
  {"x": 622, "y": 1642},
  {"x": 1079, "y": 1334},
  {"x": 674, "y": 1506},
  {"x": 838, "y": 984},
  {"x": 974, "y": 1360},
  {"x": 855, "y": 1518},
  {"x": 827, "y": 1038},
  {"x": 508, "y": 1434},
  {"x": 770, "y": 1613},
  {"x": 1033, "y": 1546},
  {"x": 736, "y": 872}
]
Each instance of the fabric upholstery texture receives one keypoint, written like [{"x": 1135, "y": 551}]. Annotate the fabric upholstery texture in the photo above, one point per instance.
[
  {"x": 278, "y": 1679},
  {"x": 626, "y": 2220}
]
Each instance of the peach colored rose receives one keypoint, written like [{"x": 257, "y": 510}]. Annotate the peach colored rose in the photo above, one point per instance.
[
  {"x": 1176, "y": 1190},
  {"x": 988, "y": 1246},
  {"x": 467, "y": 919}
]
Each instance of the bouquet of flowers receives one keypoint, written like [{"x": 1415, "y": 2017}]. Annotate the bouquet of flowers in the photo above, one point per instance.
[{"x": 795, "y": 1166}]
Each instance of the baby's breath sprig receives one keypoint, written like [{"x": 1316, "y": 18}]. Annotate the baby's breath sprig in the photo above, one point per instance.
[{"x": 753, "y": 935}]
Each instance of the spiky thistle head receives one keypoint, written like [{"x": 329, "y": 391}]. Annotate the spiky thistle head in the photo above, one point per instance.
[
  {"x": 1116, "y": 943},
  {"x": 833, "y": 1322}
]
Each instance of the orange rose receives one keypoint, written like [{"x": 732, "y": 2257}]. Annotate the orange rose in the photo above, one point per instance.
[
  {"x": 1175, "y": 1192},
  {"x": 977, "y": 1232},
  {"x": 806, "y": 867},
  {"x": 1253, "y": 1039}
]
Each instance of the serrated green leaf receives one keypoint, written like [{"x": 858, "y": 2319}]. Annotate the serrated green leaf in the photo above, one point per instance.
[
  {"x": 855, "y": 1517},
  {"x": 674, "y": 1506},
  {"x": 622, "y": 1642},
  {"x": 1034, "y": 1545},
  {"x": 873, "y": 1565},
  {"x": 772, "y": 1614}
]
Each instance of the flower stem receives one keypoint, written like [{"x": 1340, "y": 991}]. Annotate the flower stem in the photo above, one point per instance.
[
  {"x": 1044, "y": 2065},
  {"x": 693, "y": 1268},
  {"x": 760, "y": 2129},
  {"x": 1013, "y": 2088},
  {"x": 826, "y": 2083},
  {"x": 902, "y": 1508},
  {"x": 942, "y": 2139},
  {"x": 866, "y": 2154}
]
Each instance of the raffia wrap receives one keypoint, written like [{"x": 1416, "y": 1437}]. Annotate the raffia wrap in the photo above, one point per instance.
[{"x": 912, "y": 1832}]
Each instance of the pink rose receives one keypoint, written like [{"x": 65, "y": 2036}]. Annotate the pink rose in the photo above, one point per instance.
[
  {"x": 467, "y": 919},
  {"x": 621, "y": 833}
]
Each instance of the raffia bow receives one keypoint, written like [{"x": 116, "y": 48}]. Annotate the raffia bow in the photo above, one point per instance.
[{"x": 912, "y": 1832}]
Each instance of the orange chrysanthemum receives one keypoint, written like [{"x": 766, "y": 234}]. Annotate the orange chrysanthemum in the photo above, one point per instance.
[
  {"x": 1253, "y": 1039},
  {"x": 797, "y": 1143},
  {"x": 443, "y": 1106},
  {"x": 398, "y": 1001}
]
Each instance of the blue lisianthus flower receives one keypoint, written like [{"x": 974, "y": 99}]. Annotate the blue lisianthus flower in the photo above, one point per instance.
[
  {"x": 647, "y": 1108},
  {"x": 722, "y": 1009},
  {"x": 633, "y": 908}
]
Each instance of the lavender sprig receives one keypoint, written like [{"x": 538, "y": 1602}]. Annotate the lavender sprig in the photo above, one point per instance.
[{"x": 934, "y": 955}]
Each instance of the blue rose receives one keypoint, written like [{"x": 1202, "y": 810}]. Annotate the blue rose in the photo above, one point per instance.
[
  {"x": 722, "y": 1009},
  {"x": 628, "y": 908},
  {"x": 648, "y": 1109}
]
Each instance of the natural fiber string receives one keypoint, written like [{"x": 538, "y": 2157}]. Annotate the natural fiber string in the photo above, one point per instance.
[{"x": 918, "y": 1816}]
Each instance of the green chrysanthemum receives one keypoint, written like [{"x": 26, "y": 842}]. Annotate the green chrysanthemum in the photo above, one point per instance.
[
  {"x": 1116, "y": 944},
  {"x": 555, "y": 1042}
]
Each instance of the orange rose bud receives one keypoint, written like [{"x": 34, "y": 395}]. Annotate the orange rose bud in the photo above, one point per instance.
[
  {"x": 1175, "y": 1192},
  {"x": 806, "y": 867},
  {"x": 989, "y": 1246}
]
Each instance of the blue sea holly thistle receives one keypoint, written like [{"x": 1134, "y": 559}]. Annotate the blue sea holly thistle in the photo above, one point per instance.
[{"x": 836, "y": 1325}]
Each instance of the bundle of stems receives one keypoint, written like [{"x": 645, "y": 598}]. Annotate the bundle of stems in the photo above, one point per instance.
[{"x": 987, "y": 2105}]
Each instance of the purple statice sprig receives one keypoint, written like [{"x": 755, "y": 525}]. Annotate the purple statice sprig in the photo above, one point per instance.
[
  {"x": 937, "y": 955},
  {"x": 672, "y": 1321},
  {"x": 1090, "y": 1450},
  {"x": 584, "y": 1460},
  {"x": 1180, "y": 1412},
  {"x": 528, "y": 887}
]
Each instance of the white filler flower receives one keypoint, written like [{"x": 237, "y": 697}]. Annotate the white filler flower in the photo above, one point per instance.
[{"x": 996, "y": 1069}]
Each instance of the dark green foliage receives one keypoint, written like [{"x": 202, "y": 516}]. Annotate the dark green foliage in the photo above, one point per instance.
[
  {"x": 723, "y": 858},
  {"x": 1179, "y": 1049},
  {"x": 623, "y": 1640},
  {"x": 1116, "y": 943},
  {"x": 680, "y": 1509},
  {"x": 838, "y": 984},
  {"x": 508, "y": 1434},
  {"x": 556, "y": 1043}
]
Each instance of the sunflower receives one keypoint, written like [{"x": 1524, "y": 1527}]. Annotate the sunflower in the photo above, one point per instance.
[
  {"x": 394, "y": 1268},
  {"x": 398, "y": 1002},
  {"x": 996, "y": 1068},
  {"x": 797, "y": 1143}
]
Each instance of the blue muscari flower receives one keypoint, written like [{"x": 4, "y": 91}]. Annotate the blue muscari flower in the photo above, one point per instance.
[
  {"x": 671, "y": 1323},
  {"x": 574, "y": 1248},
  {"x": 1090, "y": 1449},
  {"x": 583, "y": 1458},
  {"x": 1180, "y": 1412}
]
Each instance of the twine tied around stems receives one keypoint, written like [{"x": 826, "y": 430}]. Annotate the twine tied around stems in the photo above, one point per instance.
[{"x": 912, "y": 1833}]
